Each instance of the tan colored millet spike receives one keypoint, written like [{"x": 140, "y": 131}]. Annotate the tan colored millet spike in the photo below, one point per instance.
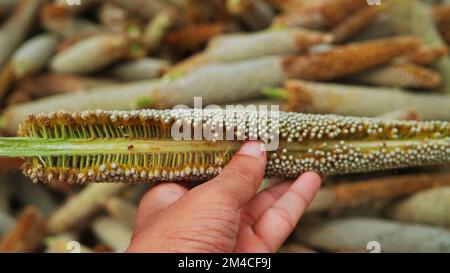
[
  {"x": 424, "y": 55},
  {"x": 10, "y": 164},
  {"x": 361, "y": 192},
  {"x": 401, "y": 75},
  {"x": 354, "y": 23},
  {"x": 193, "y": 36},
  {"x": 348, "y": 59},
  {"x": 441, "y": 13},
  {"x": 27, "y": 234},
  {"x": 414, "y": 17},
  {"x": 323, "y": 15}
]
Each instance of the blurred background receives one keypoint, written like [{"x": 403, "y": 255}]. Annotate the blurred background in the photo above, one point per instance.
[{"x": 386, "y": 59}]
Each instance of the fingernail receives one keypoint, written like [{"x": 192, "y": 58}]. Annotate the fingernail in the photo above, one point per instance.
[{"x": 252, "y": 148}]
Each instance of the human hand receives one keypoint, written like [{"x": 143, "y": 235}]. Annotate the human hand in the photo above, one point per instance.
[{"x": 225, "y": 214}]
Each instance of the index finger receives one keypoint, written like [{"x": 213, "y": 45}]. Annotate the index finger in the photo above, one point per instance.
[{"x": 278, "y": 221}]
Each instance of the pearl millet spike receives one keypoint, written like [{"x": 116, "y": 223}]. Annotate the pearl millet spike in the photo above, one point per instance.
[{"x": 137, "y": 146}]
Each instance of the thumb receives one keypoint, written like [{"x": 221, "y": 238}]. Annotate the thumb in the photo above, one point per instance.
[
  {"x": 157, "y": 199},
  {"x": 240, "y": 179}
]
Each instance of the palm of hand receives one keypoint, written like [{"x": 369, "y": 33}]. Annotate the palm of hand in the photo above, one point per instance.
[{"x": 194, "y": 223}]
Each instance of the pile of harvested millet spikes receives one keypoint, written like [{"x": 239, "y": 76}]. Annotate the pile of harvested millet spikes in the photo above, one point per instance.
[{"x": 388, "y": 65}]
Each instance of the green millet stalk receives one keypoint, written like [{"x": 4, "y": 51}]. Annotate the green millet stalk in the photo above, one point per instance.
[{"x": 137, "y": 146}]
